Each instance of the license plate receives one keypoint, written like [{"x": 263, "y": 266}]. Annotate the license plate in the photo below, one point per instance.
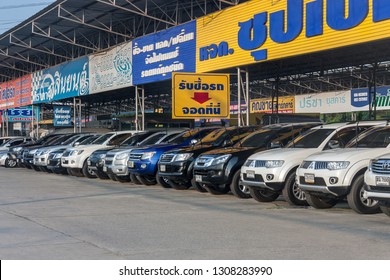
[
  {"x": 163, "y": 168},
  {"x": 130, "y": 164},
  {"x": 64, "y": 162},
  {"x": 89, "y": 162},
  {"x": 309, "y": 178},
  {"x": 382, "y": 181},
  {"x": 22, "y": 160},
  {"x": 250, "y": 174},
  {"x": 49, "y": 161},
  {"x": 198, "y": 178},
  {"x": 104, "y": 168}
]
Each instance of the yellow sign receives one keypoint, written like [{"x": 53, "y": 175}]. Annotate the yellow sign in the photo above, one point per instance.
[
  {"x": 262, "y": 30},
  {"x": 264, "y": 105},
  {"x": 200, "y": 96}
]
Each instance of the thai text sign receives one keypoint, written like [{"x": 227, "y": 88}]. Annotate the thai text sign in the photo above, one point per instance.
[
  {"x": 62, "y": 81},
  {"x": 16, "y": 93},
  {"x": 62, "y": 116},
  {"x": 112, "y": 69},
  {"x": 327, "y": 102},
  {"x": 360, "y": 99},
  {"x": 22, "y": 114},
  {"x": 264, "y": 105},
  {"x": 266, "y": 30},
  {"x": 200, "y": 96},
  {"x": 156, "y": 56}
]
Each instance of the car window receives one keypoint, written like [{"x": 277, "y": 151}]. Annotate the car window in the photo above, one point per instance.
[
  {"x": 117, "y": 139},
  {"x": 103, "y": 138},
  {"x": 374, "y": 138},
  {"x": 257, "y": 139},
  {"x": 311, "y": 139}
]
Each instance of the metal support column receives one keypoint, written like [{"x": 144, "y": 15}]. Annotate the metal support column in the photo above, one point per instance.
[
  {"x": 140, "y": 104},
  {"x": 77, "y": 107},
  {"x": 239, "y": 96},
  {"x": 247, "y": 98},
  {"x": 243, "y": 87}
]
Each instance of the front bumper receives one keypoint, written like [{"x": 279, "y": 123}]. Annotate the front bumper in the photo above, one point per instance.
[
  {"x": 212, "y": 175},
  {"x": 142, "y": 167},
  {"x": 70, "y": 162},
  {"x": 3, "y": 158},
  {"x": 41, "y": 160},
  {"x": 178, "y": 170}
]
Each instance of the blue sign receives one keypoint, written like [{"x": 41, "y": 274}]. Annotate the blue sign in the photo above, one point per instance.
[
  {"x": 360, "y": 97},
  {"x": 156, "y": 56},
  {"x": 62, "y": 116},
  {"x": 60, "y": 82},
  {"x": 22, "y": 114}
]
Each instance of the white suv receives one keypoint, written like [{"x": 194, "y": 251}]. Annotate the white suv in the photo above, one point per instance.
[
  {"x": 75, "y": 159},
  {"x": 330, "y": 176},
  {"x": 269, "y": 173},
  {"x": 377, "y": 182}
]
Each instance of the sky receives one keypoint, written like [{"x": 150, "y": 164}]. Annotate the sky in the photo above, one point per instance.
[{"x": 13, "y": 12}]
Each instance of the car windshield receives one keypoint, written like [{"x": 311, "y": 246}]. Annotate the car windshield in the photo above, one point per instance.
[
  {"x": 89, "y": 140},
  {"x": 182, "y": 137},
  {"x": 372, "y": 138},
  {"x": 214, "y": 138},
  {"x": 311, "y": 139},
  {"x": 71, "y": 140},
  {"x": 257, "y": 139},
  {"x": 153, "y": 139},
  {"x": 103, "y": 139},
  {"x": 168, "y": 137}
]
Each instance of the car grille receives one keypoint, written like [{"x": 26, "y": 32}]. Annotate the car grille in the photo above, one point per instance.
[
  {"x": 108, "y": 162},
  {"x": 166, "y": 157},
  {"x": 254, "y": 163},
  {"x": 135, "y": 156},
  {"x": 381, "y": 166},
  {"x": 317, "y": 165},
  {"x": 203, "y": 161}
]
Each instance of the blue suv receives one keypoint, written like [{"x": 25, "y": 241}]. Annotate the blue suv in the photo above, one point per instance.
[{"x": 142, "y": 163}]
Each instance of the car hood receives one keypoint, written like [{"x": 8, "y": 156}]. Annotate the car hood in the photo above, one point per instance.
[
  {"x": 284, "y": 154},
  {"x": 230, "y": 150},
  {"x": 348, "y": 154}
]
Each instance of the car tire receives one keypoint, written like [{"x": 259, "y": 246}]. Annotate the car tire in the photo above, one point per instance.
[
  {"x": 36, "y": 168},
  {"x": 28, "y": 166},
  {"x": 101, "y": 175},
  {"x": 122, "y": 179},
  {"x": 237, "y": 188},
  {"x": 163, "y": 181},
  {"x": 320, "y": 202},
  {"x": 134, "y": 179},
  {"x": 356, "y": 200},
  {"x": 263, "y": 195},
  {"x": 292, "y": 193},
  {"x": 385, "y": 209},
  {"x": 70, "y": 172},
  {"x": 197, "y": 186},
  {"x": 217, "y": 190},
  {"x": 88, "y": 172},
  {"x": 180, "y": 185},
  {"x": 112, "y": 177},
  {"x": 147, "y": 180},
  {"x": 10, "y": 163}
]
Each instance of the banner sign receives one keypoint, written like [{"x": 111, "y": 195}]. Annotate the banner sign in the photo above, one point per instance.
[
  {"x": 156, "y": 56},
  {"x": 360, "y": 99},
  {"x": 62, "y": 116},
  {"x": 16, "y": 93},
  {"x": 22, "y": 114},
  {"x": 63, "y": 81},
  {"x": 286, "y": 104},
  {"x": 257, "y": 31},
  {"x": 112, "y": 69},
  {"x": 200, "y": 96},
  {"x": 324, "y": 103}
]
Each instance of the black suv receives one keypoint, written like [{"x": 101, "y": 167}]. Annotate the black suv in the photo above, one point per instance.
[
  {"x": 218, "y": 171},
  {"x": 176, "y": 166}
]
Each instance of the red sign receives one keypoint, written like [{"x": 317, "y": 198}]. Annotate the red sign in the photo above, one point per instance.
[{"x": 16, "y": 93}]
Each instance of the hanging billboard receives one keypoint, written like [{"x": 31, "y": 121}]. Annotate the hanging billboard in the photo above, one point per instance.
[
  {"x": 63, "y": 81},
  {"x": 324, "y": 103},
  {"x": 286, "y": 104},
  {"x": 22, "y": 114},
  {"x": 112, "y": 69},
  {"x": 257, "y": 31},
  {"x": 360, "y": 98},
  {"x": 62, "y": 116},
  {"x": 200, "y": 96},
  {"x": 156, "y": 56},
  {"x": 16, "y": 93}
]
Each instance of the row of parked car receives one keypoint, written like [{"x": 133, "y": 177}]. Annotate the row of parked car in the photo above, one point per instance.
[{"x": 308, "y": 163}]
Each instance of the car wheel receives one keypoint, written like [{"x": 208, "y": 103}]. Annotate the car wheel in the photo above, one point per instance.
[
  {"x": 112, "y": 177},
  {"x": 197, "y": 186},
  {"x": 122, "y": 179},
  {"x": 36, "y": 168},
  {"x": 101, "y": 175},
  {"x": 11, "y": 163},
  {"x": 385, "y": 209},
  {"x": 180, "y": 185},
  {"x": 320, "y": 202},
  {"x": 237, "y": 188},
  {"x": 163, "y": 181},
  {"x": 147, "y": 180},
  {"x": 28, "y": 166},
  {"x": 357, "y": 201},
  {"x": 217, "y": 190},
  {"x": 292, "y": 193},
  {"x": 87, "y": 171},
  {"x": 69, "y": 170},
  {"x": 77, "y": 172},
  {"x": 134, "y": 179},
  {"x": 263, "y": 195}
]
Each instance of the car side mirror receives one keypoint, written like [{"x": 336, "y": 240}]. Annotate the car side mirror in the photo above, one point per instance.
[
  {"x": 193, "y": 142},
  {"x": 276, "y": 144},
  {"x": 76, "y": 144},
  {"x": 227, "y": 143},
  {"x": 334, "y": 144}
]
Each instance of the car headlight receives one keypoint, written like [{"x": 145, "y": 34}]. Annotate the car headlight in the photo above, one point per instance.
[
  {"x": 102, "y": 156},
  {"x": 273, "y": 163},
  {"x": 45, "y": 152},
  {"x": 221, "y": 159},
  {"x": 17, "y": 149},
  {"x": 122, "y": 156},
  {"x": 31, "y": 152},
  {"x": 76, "y": 152},
  {"x": 148, "y": 155},
  {"x": 336, "y": 165},
  {"x": 182, "y": 157}
]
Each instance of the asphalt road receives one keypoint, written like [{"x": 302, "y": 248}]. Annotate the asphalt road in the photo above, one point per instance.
[{"x": 47, "y": 216}]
